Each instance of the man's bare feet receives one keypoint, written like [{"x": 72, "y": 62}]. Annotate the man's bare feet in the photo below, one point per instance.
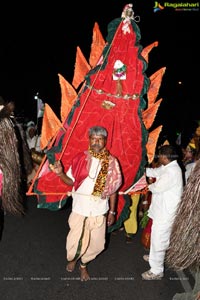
[
  {"x": 71, "y": 266},
  {"x": 84, "y": 273}
]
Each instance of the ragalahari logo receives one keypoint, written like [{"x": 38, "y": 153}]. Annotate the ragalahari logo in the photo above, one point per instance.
[
  {"x": 177, "y": 6},
  {"x": 157, "y": 7}
]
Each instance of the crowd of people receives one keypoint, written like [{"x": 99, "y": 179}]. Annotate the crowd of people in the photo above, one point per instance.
[{"x": 96, "y": 177}]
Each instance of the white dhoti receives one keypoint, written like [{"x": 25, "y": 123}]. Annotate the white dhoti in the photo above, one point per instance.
[{"x": 86, "y": 238}]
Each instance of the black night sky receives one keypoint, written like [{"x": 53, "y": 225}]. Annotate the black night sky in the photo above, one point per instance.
[{"x": 38, "y": 42}]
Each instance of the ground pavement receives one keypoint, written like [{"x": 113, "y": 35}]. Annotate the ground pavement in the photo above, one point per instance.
[{"x": 33, "y": 261}]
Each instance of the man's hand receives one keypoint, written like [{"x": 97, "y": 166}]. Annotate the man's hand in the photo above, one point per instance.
[
  {"x": 57, "y": 168},
  {"x": 110, "y": 219}
]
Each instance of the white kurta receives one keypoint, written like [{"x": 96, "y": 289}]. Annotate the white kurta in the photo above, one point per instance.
[
  {"x": 83, "y": 202},
  {"x": 166, "y": 191},
  {"x": 166, "y": 195}
]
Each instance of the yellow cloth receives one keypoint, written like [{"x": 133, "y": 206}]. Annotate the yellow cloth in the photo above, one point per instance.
[{"x": 131, "y": 224}]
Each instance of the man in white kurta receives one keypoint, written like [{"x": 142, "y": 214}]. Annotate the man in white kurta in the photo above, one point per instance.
[{"x": 166, "y": 195}]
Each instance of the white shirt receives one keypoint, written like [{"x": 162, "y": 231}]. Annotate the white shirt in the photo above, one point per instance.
[
  {"x": 34, "y": 142},
  {"x": 166, "y": 191},
  {"x": 84, "y": 203},
  {"x": 188, "y": 170}
]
